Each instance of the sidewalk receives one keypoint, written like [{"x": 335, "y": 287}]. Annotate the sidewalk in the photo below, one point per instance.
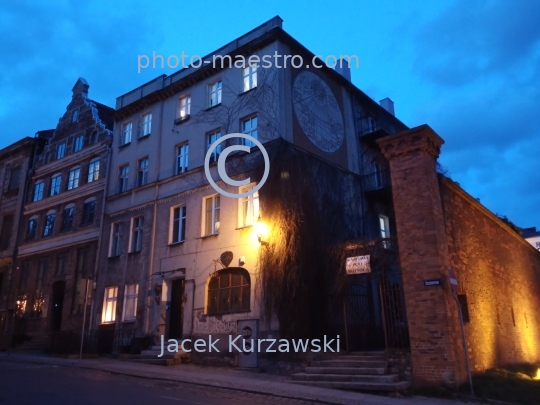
[{"x": 228, "y": 378}]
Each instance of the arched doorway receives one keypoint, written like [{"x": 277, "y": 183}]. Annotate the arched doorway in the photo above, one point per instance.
[{"x": 58, "y": 290}]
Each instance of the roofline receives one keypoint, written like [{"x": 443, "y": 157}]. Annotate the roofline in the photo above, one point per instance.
[
  {"x": 17, "y": 147},
  {"x": 164, "y": 86}
]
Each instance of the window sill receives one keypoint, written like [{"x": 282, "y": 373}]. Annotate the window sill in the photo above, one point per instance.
[
  {"x": 213, "y": 106},
  {"x": 209, "y": 235},
  {"x": 247, "y": 91},
  {"x": 114, "y": 257},
  {"x": 243, "y": 227},
  {"x": 228, "y": 313},
  {"x": 177, "y": 243},
  {"x": 135, "y": 252},
  {"x": 124, "y": 145},
  {"x": 108, "y": 322},
  {"x": 130, "y": 321},
  {"x": 180, "y": 120},
  {"x": 143, "y": 137}
]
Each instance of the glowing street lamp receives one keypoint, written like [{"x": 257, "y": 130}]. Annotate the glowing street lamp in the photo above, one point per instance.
[{"x": 261, "y": 230}]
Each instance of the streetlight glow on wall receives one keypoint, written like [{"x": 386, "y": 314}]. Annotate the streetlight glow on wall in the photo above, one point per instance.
[{"x": 261, "y": 230}]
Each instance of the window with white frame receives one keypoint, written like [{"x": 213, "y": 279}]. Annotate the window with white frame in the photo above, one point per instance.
[
  {"x": 178, "y": 224},
  {"x": 212, "y": 137},
  {"x": 131, "y": 293},
  {"x": 115, "y": 249},
  {"x": 146, "y": 125},
  {"x": 61, "y": 150},
  {"x": 49, "y": 223},
  {"x": 214, "y": 94},
  {"x": 182, "y": 152},
  {"x": 184, "y": 107},
  {"x": 249, "y": 127},
  {"x": 109, "y": 305},
  {"x": 248, "y": 207},
  {"x": 89, "y": 211},
  {"x": 67, "y": 218},
  {"x": 384, "y": 225},
  {"x": 79, "y": 143},
  {"x": 73, "y": 180},
  {"x": 93, "y": 170},
  {"x": 249, "y": 77},
  {"x": 55, "y": 184},
  {"x": 125, "y": 136},
  {"x": 38, "y": 190},
  {"x": 123, "y": 177},
  {"x": 211, "y": 214},
  {"x": 137, "y": 225},
  {"x": 142, "y": 177}
]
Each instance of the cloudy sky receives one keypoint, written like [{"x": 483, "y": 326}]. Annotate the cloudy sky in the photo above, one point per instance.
[{"x": 469, "y": 69}]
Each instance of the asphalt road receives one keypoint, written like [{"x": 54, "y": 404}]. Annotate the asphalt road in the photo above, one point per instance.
[{"x": 39, "y": 384}]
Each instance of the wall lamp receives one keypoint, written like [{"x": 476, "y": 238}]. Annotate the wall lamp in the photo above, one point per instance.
[{"x": 261, "y": 230}]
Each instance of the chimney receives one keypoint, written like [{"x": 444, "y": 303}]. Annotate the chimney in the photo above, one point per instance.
[
  {"x": 388, "y": 105},
  {"x": 343, "y": 68}
]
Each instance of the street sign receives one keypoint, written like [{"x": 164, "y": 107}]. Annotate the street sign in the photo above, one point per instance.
[
  {"x": 454, "y": 284},
  {"x": 357, "y": 265},
  {"x": 432, "y": 282}
]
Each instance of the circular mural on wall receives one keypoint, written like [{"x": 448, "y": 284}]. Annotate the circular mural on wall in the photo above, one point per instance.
[{"x": 318, "y": 112}]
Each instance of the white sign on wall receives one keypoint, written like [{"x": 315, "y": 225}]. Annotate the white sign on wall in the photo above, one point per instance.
[{"x": 357, "y": 265}]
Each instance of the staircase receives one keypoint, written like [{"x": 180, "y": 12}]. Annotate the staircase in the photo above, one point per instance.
[
  {"x": 150, "y": 356},
  {"x": 36, "y": 344},
  {"x": 363, "y": 371}
]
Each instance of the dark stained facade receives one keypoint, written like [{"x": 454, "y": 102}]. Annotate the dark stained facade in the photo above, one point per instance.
[{"x": 61, "y": 220}]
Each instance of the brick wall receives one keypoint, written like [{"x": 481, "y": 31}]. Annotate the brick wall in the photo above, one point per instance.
[{"x": 499, "y": 272}]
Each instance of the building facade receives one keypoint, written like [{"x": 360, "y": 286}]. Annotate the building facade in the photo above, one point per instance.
[{"x": 61, "y": 220}]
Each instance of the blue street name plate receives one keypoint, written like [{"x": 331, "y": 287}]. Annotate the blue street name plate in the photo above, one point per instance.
[{"x": 432, "y": 282}]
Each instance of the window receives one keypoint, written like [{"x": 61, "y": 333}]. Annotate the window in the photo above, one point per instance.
[
  {"x": 178, "y": 224},
  {"x": 116, "y": 240},
  {"x": 384, "y": 225},
  {"x": 14, "y": 179},
  {"x": 93, "y": 170},
  {"x": 146, "y": 124},
  {"x": 249, "y": 127},
  {"x": 185, "y": 107},
  {"x": 229, "y": 291},
  {"x": 212, "y": 137},
  {"x": 79, "y": 143},
  {"x": 61, "y": 263},
  {"x": 61, "y": 150},
  {"x": 182, "y": 158},
  {"x": 142, "y": 177},
  {"x": 249, "y": 207},
  {"x": 214, "y": 93},
  {"x": 38, "y": 191},
  {"x": 55, "y": 184},
  {"x": 211, "y": 215},
  {"x": 123, "y": 177},
  {"x": 125, "y": 136},
  {"x": 89, "y": 209},
  {"x": 137, "y": 224},
  {"x": 31, "y": 230},
  {"x": 109, "y": 304},
  {"x": 49, "y": 223},
  {"x": 74, "y": 116},
  {"x": 93, "y": 137},
  {"x": 73, "y": 181},
  {"x": 7, "y": 229},
  {"x": 378, "y": 175},
  {"x": 67, "y": 218},
  {"x": 131, "y": 293},
  {"x": 249, "y": 76}
]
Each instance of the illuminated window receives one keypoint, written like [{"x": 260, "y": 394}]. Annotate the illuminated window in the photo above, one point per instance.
[
  {"x": 182, "y": 158},
  {"x": 229, "y": 291},
  {"x": 384, "y": 225},
  {"x": 125, "y": 136},
  {"x": 185, "y": 107},
  {"x": 49, "y": 223},
  {"x": 249, "y": 77},
  {"x": 79, "y": 143},
  {"x": 130, "y": 302},
  {"x": 61, "y": 150},
  {"x": 109, "y": 304},
  {"x": 249, "y": 207},
  {"x": 55, "y": 184},
  {"x": 249, "y": 127},
  {"x": 211, "y": 215},
  {"x": 73, "y": 180}
]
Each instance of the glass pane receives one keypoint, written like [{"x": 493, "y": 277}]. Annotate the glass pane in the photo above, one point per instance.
[
  {"x": 245, "y": 298},
  {"x": 236, "y": 299},
  {"x": 213, "y": 301},
  {"x": 223, "y": 305}
]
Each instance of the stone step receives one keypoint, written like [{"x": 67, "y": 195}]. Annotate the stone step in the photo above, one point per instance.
[
  {"x": 385, "y": 378},
  {"x": 349, "y": 363},
  {"x": 358, "y": 386},
  {"x": 346, "y": 370},
  {"x": 157, "y": 362}
]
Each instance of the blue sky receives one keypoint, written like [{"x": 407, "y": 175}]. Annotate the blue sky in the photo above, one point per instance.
[{"x": 469, "y": 69}]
